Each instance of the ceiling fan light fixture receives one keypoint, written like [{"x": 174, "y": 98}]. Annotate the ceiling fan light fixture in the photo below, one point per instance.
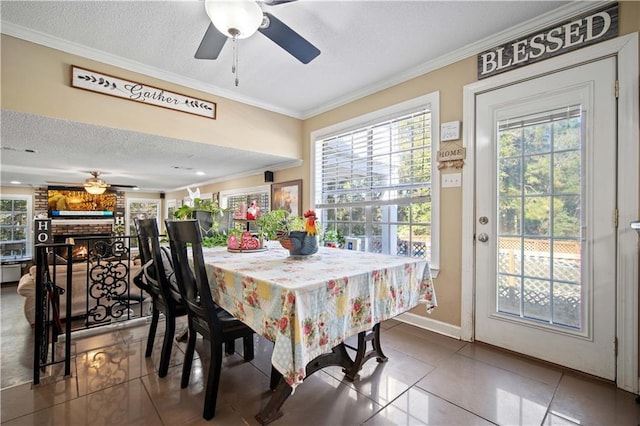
[
  {"x": 95, "y": 189},
  {"x": 235, "y": 19},
  {"x": 94, "y": 185}
]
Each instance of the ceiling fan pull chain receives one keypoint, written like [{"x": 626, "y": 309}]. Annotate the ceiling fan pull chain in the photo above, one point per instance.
[
  {"x": 235, "y": 55},
  {"x": 234, "y": 68}
]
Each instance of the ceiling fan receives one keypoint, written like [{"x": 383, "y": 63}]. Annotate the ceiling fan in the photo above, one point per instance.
[
  {"x": 94, "y": 185},
  {"x": 241, "y": 19}
]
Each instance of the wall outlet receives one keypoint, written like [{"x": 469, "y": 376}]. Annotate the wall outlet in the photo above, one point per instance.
[{"x": 451, "y": 180}]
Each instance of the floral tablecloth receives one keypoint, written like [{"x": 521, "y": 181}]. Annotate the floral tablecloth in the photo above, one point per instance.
[{"x": 306, "y": 306}]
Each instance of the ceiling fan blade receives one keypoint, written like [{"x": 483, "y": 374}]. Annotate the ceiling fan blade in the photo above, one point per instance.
[
  {"x": 276, "y": 2},
  {"x": 122, "y": 186},
  {"x": 211, "y": 44},
  {"x": 289, "y": 40},
  {"x": 81, "y": 184},
  {"x": 54, "y": 182}
]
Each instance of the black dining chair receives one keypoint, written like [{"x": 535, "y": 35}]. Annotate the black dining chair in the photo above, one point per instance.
[
  {"x": 205, "y": 316},
  {"x": 157, "y": 278}
]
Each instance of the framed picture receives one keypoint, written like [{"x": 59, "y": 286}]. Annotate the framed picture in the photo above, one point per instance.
[{"x": 287, "y": 196}]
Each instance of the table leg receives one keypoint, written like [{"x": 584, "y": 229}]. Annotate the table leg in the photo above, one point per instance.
[
  {"x": 271, "y": 411},
  {"x": 338, "y": 356},
  {"x": 362, "y": 355}
]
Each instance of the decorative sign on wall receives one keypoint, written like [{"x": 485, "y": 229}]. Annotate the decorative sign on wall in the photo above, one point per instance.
[
  {"x": 42, "y": 228},
  {"x": 450, "y": 131},
  {"x": 451, "y": 156},
  {"x": 581, "y": 31},
  {"x": 113, "y": 86}
]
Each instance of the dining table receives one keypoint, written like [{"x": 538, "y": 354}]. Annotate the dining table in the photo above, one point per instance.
[{"x": 309, "y": 305}]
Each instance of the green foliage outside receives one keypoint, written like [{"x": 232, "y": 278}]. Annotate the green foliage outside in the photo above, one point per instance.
[{"x": 547, "y": 159}]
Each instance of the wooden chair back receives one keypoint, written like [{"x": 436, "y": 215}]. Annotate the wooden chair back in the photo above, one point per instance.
[{"x": 185, "y": 240}]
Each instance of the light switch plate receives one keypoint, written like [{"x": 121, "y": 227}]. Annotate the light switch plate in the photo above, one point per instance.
[{"x": 451, "y": 180}]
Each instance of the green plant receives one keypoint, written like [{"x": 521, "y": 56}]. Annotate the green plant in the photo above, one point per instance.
[
  {"x": 235, "y": 231},
  {"x": 333, "y": 236},
  {"x": 277, "y": 222},
  {"x": 207, "y": 206},
  {"x": 187, "y": 212},
  {"x": 207, "y": 213},
  {"x": 216, "y": 240},
  {"x": 184, "y": 212}
]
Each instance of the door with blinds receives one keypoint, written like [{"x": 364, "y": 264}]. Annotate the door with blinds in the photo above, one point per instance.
[{"x": 545, "y": 218}]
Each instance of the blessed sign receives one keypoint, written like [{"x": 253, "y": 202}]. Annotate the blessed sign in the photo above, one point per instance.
[
  {"x": 576, "y": 33},
  {"x": 113, "y": 86}
]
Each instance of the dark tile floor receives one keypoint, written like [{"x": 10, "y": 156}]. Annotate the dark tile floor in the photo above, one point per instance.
[{"x": 429, "y": 379}]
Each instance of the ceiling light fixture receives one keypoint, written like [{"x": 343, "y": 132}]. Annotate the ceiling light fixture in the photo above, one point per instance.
[
  {"x": 95, "y": 190},
  {"x": 94, "y": 185},
  {"x": 236, "y": 19}
]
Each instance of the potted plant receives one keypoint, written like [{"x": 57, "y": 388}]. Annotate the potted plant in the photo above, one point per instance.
[
  {"x": 206, "y": 212},
  {"x": 333, "y": 238},
  {"x": 274, "y": 224},
  {"x": 296, "y": 234}
]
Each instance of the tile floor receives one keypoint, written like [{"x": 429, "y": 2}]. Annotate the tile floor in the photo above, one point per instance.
[{"x": 429, "y": 379}]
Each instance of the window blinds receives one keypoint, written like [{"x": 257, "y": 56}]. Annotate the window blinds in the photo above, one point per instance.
[{"x": 376, "y": 164}]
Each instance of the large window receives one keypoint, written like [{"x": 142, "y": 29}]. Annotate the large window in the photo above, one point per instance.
[
  {"x": 15, "y": 227},
  {"x": 375, "y": 180}
]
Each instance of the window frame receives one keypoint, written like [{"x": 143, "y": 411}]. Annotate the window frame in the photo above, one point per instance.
[
  {"x": 127, "y": 212},
  {"x": 433, "y": 101},
  {"x": 28, "y": 254}
]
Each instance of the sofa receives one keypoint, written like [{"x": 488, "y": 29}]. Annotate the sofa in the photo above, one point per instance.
[{"x": 79, "y": 307}]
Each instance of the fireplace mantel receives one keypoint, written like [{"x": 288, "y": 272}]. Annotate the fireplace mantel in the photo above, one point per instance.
[{"x": 82, "y": 221}]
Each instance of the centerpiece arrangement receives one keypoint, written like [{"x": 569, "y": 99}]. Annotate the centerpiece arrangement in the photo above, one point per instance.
[{"x": 296, "y": 234}]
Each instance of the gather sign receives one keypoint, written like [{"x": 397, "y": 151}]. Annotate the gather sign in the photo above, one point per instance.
[
  {"x": 581, "y": 31},
  {"x": 113, "y": 86}
]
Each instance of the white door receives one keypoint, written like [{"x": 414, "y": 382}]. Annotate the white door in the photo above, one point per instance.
[{"x": 545, "y": 217}]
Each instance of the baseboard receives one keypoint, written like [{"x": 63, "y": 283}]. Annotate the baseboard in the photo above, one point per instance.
[{"x": 431, "y": 325}]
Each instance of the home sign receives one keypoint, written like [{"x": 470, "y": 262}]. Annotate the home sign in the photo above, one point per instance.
[
  {"x": 113, "y": 86},
  {"x": 581, "y": 31}
]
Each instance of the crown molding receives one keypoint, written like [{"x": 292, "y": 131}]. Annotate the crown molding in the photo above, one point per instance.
[
  {"x": 572, "y": 9},
  {"x": 66, "y": 46},
  {"x": 564, "y": 12}
]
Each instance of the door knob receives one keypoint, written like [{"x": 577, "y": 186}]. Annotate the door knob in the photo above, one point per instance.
[{"x": 483, "y": 238}]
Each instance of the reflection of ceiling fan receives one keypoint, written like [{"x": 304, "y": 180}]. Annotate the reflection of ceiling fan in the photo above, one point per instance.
[
  {"x": 241, "y": 19},
  {"x": 94, "y": 185}
]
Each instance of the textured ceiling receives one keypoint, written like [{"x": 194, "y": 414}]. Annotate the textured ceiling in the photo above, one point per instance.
[
  {"x": 366, "y": 46},
  {"x": 67, "y": 151}
]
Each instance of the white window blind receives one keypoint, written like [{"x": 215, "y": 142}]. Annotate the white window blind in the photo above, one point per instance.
[
  {"x": 382, "y": 162},
  {"x": 373, "y": 182}
]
